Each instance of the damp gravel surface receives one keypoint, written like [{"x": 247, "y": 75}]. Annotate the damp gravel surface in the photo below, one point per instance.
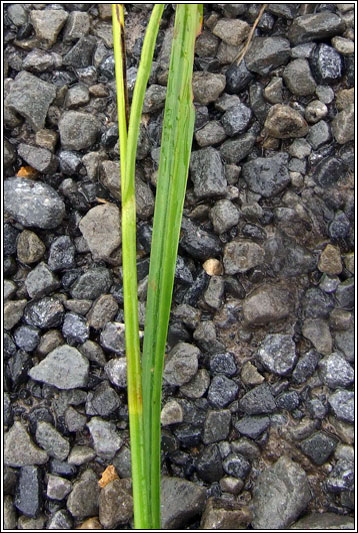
[{"x": 258, "y": 408}]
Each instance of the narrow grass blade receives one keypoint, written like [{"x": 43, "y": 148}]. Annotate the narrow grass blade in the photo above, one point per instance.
[
  {"x": 128, "y": 147},
  {"x": 177, "y": 136}
]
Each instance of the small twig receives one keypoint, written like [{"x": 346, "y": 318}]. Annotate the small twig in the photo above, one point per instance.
[{"x": 242, "y": 54}]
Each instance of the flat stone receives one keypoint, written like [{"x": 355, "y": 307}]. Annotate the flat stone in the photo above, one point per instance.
[
  {"x": 77, "y": 26},
  {"x": 64, "y": 368},
  {"x": 266, "y": 304},
  {"x": 280, "y": 495},
  {"x": 241, "y": 256},
  {"x": 283, "y": 122},
  {"x": 267, "y": 176},
  {"x": 78, "y": 130},
  {"x": 48, "y": 23},
  {"x": 19, "y": 450},
  {"x": 28, "y": 496},
  {"x": 52, "y": 441},
  {"x": 101, "y": 229},
  {"x": 317, "y": 331},
  {"x": 267, "y": 53},
  {"x": 33, "y": 204},
  {"x": 231, "y": 31},
  {"x": 181, "y": 364},
  {"x": 207, "y": 87},
  {"x": 315, "y": 26}
]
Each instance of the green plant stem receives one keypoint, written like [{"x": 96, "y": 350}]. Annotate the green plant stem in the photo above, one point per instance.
[
  {"x": 177, "y": 136},
  {"x": 128, "y": 148}
]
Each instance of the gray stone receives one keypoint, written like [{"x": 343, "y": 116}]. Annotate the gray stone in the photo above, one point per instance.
[
  {"x": 17, "y": 14},
  {"x": 298, "y": 78},
  {"x": 75, "y": 329},
  {"x": 83, "y": 500},
  {"x": 77, "y": 26},
  {"x": 206, "y": 45},
  {"x": 237, "y": 466},
  {"x": 207, "y": 87},
  {"x": 208, "y": 464},
  {"x": 27, "y": 338},
  {"x": 315, "y": 111},
  {"x": 103, "y": 310},
  {"x": 231, "y": 31},
  {"x": 116, "y": 503},
  {"x": 325, "y": 94},
  {"x": 40, "y": 281},
  {"x": 103, "y": 401},
  {"x": 319, "y": 134},
  {"x": 57, "y": 487},
  {"x": 13, "y": 312},
  {"x": 315, "y": 26},
  {"x": 52, "y": 441},
  {"x": 19, "y": 450},
  {"x": 342, "y": 476},
  {"x": 30, "y": 248},
  {"x": 267, "y": 53},
  {"x": 224, "y": 215},
  {"x": 267, "y": 176},
  {"x": 154, "y": 99},
  {"x": 222, "y": 391},
  {"x": 342, "y": 405},
  {"x": 252, "y": 426},
  {"x": 236, "y": 119},
  {"x": 324, "y": 521},
  {"x": 198, "y": 243},
  {"x": 237, "y": 77},
  {"x": 280, "y": 495},
  {"x": 216, "y": 426},
  {"x": 44, "y": 313},
  {"x": 91, "y": 284},
  {"x": 110, "y": 177},
  {"x": 344, "y": 341},
  {"x": 234, "y": 150},
  {"x": 207, "y": 173},
  {"x": 283, "y": 122},
  {"x": 317, "y": 331},
  {"x": 28, "y": 496},
  {"x": 59, "y": 520},
  {"x": 345, "y": 294},
  {"x": 116, "y": 370},
  {"x": 77, "y": 96},
  {"x": 223, "y": 514},
  {"x": 78, "y": 130},
  {"x": 80, "y": 56},
  {"x": 212, "y": 133},
  {"x": 197, "y": 386},
  {"x": 277, "y": 353},
  {"x": 343, "y": 125},
  {"x": 343, "y": 46},
  {"x": 306, "y": 366},
  {"x": 80, "y": 455},
  {"x": 74, "y": 420},
  {"x": 38, "y": 61},
  {"x": 183, "y": 502},
  {"x": 30, "y": 97},
  {"x": 48, "y": 23},
  {"x": 258, "y": 401},
  {"x": 64, "y": 368},
  {"x": 62, "y": 254},
  {"x": 32, "y": 203},
  {"x": 273, "y": 91},
  {"x": 266, "y": 304},
  {"x": 240, "y": 256},
  {"x": 39, "y": 158},
  {"x": 172, "y": 413},
  {"x": 101, "y": 229},
  {"x": 112, "y": 337},
  {"x": 214, "y": 293},
  {"x": 335, "y": 371},
  {"x": 105, "y": 438},
  {"x": 319, "y": 447},
  {"x": 326, "y": 64},
  {"x": 181, "y": 364}
]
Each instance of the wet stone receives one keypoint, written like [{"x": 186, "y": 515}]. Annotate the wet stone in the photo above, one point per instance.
[
  {"x": 116, "y": 370},
  {"x": 207, "y": 173},
  {"x": 234, "y": 150},
  {"x": 267, "y": 53},
  {"x": 70, "y": 163},
  {"x": 199, "y": 244},
  {"x": 40, "y": 281},
  {"x": 216, "y": 426},
  {"x": 78, "y": 130},
  {"x": 59, "y": 520},
  {"x": 64, "y": 368},
  {"x": 315, "y": 26},
  {"x": 33, "y": 204},
  {"x": 236, "y": 119},
  {"x": 314, "y": 112},
  {"x": 277, "y": 353},
  {"x": 335, "y": 371},
  {"x": 222, "y": 391},
  {"x": 328, "y": 171},
  {"x": 341, "y": 403},
  {"x": 326, "y": 64},
  {"x": 208, "y": 464},
  {"x": 39, "y": 158},
  {"x": 237, "y": 78},
  {"x": 31, "y": 97},
  {"x": 288, "y": 400},
  {"x": 283, "y": 122},
  {"x": 223, "y": 363},
  {"x": 27, "y": 338},
  {"x": 112, "y": 338},
  {"x": 298, "y": 78},
  {"x": 237, "y": 466},
  {"x": 75, "y": 329},
  {"x": 115, "y": 503},
  {"x": 197, "y": 386},
  {"x": 316, "y": 303},
  {"x": 28, "y": 496},
  {"x": 258, "y": 401},
  {"x": 44, "y": 313},
  {"x": 19, "y": 449},
  {"x": 91, "y": 284},
  {"x": 52, "y": 441},
  {"x": 62, "y": 254},
  {"x": 319, "y": 447}
]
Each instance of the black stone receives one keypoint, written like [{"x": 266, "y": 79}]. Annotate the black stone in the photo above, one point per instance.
[
  {"x": 288, "y": 400},
  {"x": 237, "y": 465},
  {"x": 318, "y": 447},
  {"x": 18, "y": 367},
  {"x": 326, "y": 64},
  {"x": 209, "y": 464},
  {"x": 222, "y": 391},
  {"x": 223, "y": 363},
  {"x": 188, "y": 435},
  {"x": 70, "y": 162},
  {"x": 329, "y": 171},
  {"x": 44, "y": 313},
  {"x": 9, "y": 243},
  {"x": 258, "y": 401},
  {"x": 316, "y": 303},
  {"x": 195, "y": 290},
  {"x": 339, "y": 227},
  {"x": 252, "y": 426},
  {"x": 197, "y": 242}
]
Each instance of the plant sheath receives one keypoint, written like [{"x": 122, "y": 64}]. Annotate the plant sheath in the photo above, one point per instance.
[{"x": 178, "y": 126}]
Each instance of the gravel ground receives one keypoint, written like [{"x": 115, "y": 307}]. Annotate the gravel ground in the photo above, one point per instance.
[{"x": 258, "y": 405}]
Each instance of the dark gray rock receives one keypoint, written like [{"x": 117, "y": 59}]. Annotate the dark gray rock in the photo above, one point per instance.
[
  {"x": 181, "y": 364},
  {"x": 27, "y": 338},
  {"x": 268, "y": 303},
  {"x": 216, "y": 426},
  {"x": 116, "y": 503},
  {"x": 280, "y": 495},
  {"x": 319, "y": 134},
  {"x": 277, "y": 353},
  {"x": 70, "y": 163},
  {"x": 154, "y": 99},
  {"x": 222, "y": 391},
  {"x": 112, "y": 338},
  {"x": 52, "y": 441},
  {"x": 315, "y": 26},
  {"x": 235, "y": 150},
  {"x": 288, "y": 400},
  {"x": 236, "y": 119},
  {"x": 267, "y": 176},
  {"x": 237, "y": 466},
  {"x": 19, "y": 450},
  {"x": 319, "y": 447},
  {"x": 316, "y": 303},
  {"x": 107, "y": 67},
  {"x": 209, "y": 465},
  {"x": 75, "y": 329},
  {"x": 207, "y": 173},
  {"x": 224, "y": 215},
  {"x": 326, "y": 64},
  {"x": 240, "y": 256},
  {"x": 106, "y": 440},
  {"x": 258, "y": 104},
  {"x": 335, "y": 371},
  {"x": 77, "y": 96},
  {"x": 83, "y": 500},
  {"x": 62, "y": 254},
  {"x": 306, "y": 366},
  {"x": 252, "y": 426},
  {"x": 39, "y": 158},
  {"x": 59, "y": 520},
  {"x": 40, "y": 281},
  {"x": 91, "y": 284},
  {"x": 184, "y": 501},
  {"x": 298, "y": 78},
  {"x": 258, "y": 401},
  {"x": 10, "y": 235},
  {"x": 342, "y": 405},
  {"x": 74, "y": 420},
  {"x": 102, "y": 401},
  {"x": 64, "y": 368},
  {"x": 198, "y": 243},
  {"x": 316, "y": 408},
  {"x": 342, "y": 477},
  {"x": 237, "y": 78},
  {"x": 223, "y": 363},
  {"x": 267, "y": 53},
  {"x": 103, "y": 310},
  {"x": 287, "y": 258},
  {"x": 212, "y": 133},
  {"x": 81, "y": 54},
  {"x": 30, "y": 97},
  {"x": 328, "y": 171},
  {"x": 345, "y": 294},
  {"x": 78, "y": 130},
  {"x": 44, "y": 313},
  {"x": 18, "y": 366},
  {"x": 32, "y": 203},
  {"x": 8, "y": 411},
  {"x": 28, "y": 497}
]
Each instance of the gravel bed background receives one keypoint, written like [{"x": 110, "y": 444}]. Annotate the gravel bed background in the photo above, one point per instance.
[{"x": 258, "y": 406}]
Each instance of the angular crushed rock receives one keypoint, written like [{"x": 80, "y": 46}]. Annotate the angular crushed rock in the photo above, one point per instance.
[{"x": 19, "y": 450}]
